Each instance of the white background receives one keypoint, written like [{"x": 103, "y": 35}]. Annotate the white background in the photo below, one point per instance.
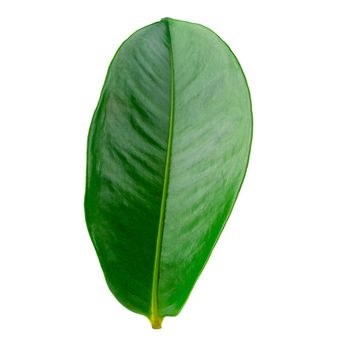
[{"x": 279, "y": 277}]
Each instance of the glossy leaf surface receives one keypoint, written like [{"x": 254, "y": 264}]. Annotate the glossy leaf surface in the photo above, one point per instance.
[{"x": 167, "y": 153}]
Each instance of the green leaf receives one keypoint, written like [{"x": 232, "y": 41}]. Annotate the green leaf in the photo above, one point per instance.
[{"x": 168, "y": 149}]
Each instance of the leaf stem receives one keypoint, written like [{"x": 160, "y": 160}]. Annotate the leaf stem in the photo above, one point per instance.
[{"x": 156, "y": 322}]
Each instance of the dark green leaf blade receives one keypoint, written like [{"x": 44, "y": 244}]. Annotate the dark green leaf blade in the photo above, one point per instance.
[
  {"x": 167, "y": 153},
  {"x": 125, "y": 168}
]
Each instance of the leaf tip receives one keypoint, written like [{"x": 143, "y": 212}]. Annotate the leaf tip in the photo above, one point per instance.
[{"x": 167, "y": 19}]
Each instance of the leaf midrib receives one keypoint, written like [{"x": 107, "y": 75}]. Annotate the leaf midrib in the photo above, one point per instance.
[{"x": 155, "y": 317}]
